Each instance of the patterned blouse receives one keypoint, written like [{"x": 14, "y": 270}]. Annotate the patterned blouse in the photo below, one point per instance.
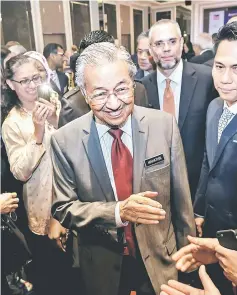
[{"x": 30, "y": 163}]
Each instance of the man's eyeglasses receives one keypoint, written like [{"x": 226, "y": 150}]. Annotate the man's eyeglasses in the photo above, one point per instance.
[
  {"x": 37, "y": 79},
  {"x": 121, "y": 92},
  {"x": 161, "y": 44}
]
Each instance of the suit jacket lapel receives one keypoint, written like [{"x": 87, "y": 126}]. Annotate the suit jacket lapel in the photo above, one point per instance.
[
  {"x": 212, "y": 136},
  {"x": 140, "y": 134},
  {"x": 94, "y": 152},
  {"x": 227, "y": 134},
  {"x": 55, "y": 87},
  {"x": 189, "y": 80},
  {"x": 152, "y": 91}
]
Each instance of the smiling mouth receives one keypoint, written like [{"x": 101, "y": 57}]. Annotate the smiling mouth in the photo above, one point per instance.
[{"x": 115, "y": 114}]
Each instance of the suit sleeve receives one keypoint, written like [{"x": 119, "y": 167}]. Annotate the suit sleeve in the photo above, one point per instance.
[
  {"x": 67, "y": 208},
  {"x": 181, "y": 204},
  {"x": 200, "y": 201}
]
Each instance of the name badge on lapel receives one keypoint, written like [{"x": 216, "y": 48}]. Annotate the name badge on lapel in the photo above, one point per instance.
[{"x": 154, "y": 160}]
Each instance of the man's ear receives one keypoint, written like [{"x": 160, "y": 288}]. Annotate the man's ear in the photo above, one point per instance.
[{"x": 10, "y": 84}]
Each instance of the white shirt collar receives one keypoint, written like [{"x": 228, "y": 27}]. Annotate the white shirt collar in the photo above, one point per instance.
[
  {"x": 232, "y": 109},
  {"x": 176, "y": 75},
  {"x": 102, "y": 128},
  {"x": 204, "y": 50}
]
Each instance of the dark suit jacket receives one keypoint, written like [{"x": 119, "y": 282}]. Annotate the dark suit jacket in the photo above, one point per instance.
[
  {"x": 139, "y": 75},
  {"x": 196, "y": 94},
  {"x": 75, "y": 106},
  {"x": 209, "y": 63},
  {"x": 85, "y": 201},
  {"x": 200, "y": 59},
  {"x": 63, "y": 80},
  {"x": 217, "y": 190}
]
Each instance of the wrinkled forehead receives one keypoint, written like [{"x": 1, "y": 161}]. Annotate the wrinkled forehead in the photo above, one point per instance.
[
  {"x": 107, "y": 74},
  {"x": 164, "y": 32}
]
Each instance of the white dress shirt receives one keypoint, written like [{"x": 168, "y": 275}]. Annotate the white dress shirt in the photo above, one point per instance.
[
  {"x": 176, "y": 83},
  {"x": 54, "y": 77},
  {"x": 106, "y": 141}
]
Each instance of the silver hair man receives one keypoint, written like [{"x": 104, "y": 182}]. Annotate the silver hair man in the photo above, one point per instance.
[
  {"x": 204, "y": 40},
  {"x": 96, "y": 55},
  {"x": 17, "y": 49}
]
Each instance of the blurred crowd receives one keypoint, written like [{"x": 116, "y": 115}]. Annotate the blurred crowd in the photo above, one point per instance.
[{"x": 119, "y": 171}]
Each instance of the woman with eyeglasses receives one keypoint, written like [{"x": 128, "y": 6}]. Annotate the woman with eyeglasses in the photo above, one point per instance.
[{"x": 26, "y": 131}]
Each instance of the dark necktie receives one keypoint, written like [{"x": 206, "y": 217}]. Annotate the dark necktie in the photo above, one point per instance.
[
  {"x": 168, "y": 104},
  {"x": 122, "y": 164}
]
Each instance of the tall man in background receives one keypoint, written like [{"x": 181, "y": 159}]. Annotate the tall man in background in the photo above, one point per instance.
[{"x": 182, "y": 89}]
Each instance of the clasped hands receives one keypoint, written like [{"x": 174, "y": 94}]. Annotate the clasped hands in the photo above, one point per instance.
[{"x": 140, "y": 208}]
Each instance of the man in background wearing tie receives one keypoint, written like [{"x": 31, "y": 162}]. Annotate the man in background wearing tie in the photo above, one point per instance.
[
  {"x": 120, "y": 180},
  {"x": 216, "y": 198},
  {"x": 182, "y": 89},
  {"x": 54, "y": 54}
]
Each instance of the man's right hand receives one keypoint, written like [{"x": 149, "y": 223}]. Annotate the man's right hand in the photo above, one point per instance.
[
  {"x": 199, "y": 224},
  {"x": 139, "y": 208}
]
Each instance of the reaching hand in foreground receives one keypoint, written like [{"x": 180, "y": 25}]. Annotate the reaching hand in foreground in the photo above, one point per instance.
[
  {"x": 200, "y": 251},
  {"x": 176, "y": 288}
]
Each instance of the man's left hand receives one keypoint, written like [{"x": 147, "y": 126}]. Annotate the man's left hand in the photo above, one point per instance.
[{"x": 228, "y": 261}]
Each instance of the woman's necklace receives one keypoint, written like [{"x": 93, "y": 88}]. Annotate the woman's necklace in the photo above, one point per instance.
[{"x": 27, "y": 112}]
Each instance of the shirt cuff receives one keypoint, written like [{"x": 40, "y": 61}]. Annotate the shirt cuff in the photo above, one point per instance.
[
  {"x": 118, "y": 220},
  {"x": 197, "y": 215}
]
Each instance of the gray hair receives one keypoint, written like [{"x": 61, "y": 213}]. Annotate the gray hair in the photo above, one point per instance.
[
  {"x": 204, "y": 40},
  {"x": 164, "y": 22},
  {"x": 143, "y": 35},
  {"x": 17, "y": 49},
  {"x": 97, "y": 55}
]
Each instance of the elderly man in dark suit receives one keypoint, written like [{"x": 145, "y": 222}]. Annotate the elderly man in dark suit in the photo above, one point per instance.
[
  {"x": 73, "y": 102},
  {"x": 182, "y": 89},
  {"x": 120, "y": 180},
  {"x": 216, "y": 200},
  {"x": 206, "y": 45}
]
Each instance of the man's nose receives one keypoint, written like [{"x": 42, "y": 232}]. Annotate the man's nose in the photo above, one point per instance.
[
  {"x": 113, "y": 102},
  {"x": 166, "y": 46}
]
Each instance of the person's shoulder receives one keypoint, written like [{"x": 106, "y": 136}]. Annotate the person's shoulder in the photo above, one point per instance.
[
  {"x": 200, "y": 69},
  {"x": 152, "y": 114},
  {"x": 215, "y": 104},
  {"x": 149, "y": 78},
  {"x": 75, "y": 91},
  {"x": 74, "y": 127}
]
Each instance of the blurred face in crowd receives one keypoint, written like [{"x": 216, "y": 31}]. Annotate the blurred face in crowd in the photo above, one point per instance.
[
  {"x": 166, "y": 46},
  {"x": 24, "y": 82},
  {"x": 110, "y": 92},
  {"x": 143, "y": 54},
  {"x": 58, "y": 58},
  {"x": 225, "y": 71}
]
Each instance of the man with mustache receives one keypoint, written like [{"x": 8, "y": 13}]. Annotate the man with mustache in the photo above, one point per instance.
[
  {"x": 182, "y": 89},
  {"x": 120, "y": 180}
]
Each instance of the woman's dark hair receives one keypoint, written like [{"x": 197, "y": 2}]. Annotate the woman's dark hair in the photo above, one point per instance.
[
  {"x": 9, "y": 97},
  {"x": 227, "y": 32}
]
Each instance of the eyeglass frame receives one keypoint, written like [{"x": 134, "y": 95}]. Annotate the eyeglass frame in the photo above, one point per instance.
[
  {"x": 31, "y": 80},
  {"x": 165, "y": 42},
  {"x": 109, "y": 93}
]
